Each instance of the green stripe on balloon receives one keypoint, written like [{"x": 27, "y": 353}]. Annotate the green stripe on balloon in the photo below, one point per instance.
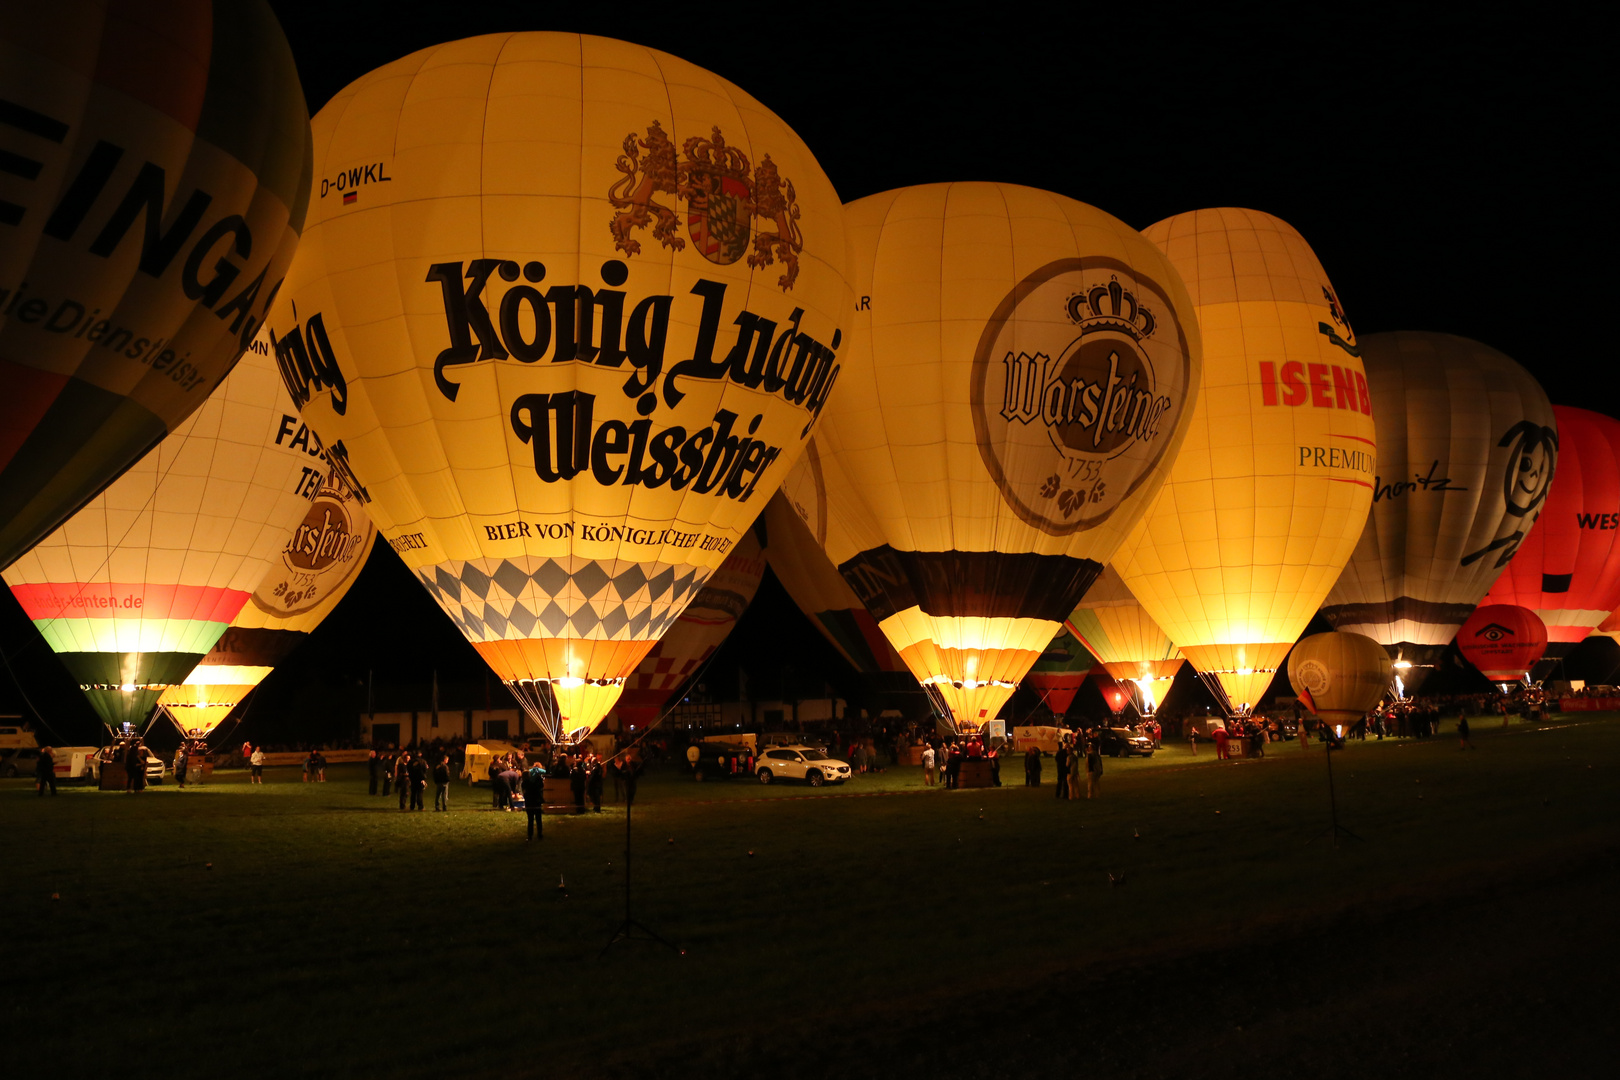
[{"x": 78, "y": 636}]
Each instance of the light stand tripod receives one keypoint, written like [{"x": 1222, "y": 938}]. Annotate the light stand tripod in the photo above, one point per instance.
[
  {"x": 1335, "y": 830},
  {"x": 629, "y": 926}
]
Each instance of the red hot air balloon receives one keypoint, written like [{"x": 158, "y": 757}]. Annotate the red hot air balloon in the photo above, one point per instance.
[
  {"x": 1503, "y": 641},
  {"x": 1568, "y": 569}
]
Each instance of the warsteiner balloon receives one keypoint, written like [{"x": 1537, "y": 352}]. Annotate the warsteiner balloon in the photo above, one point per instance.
[
  {"x": 1020, "y": 377},
  {"x": 154, "y": 172},
  {"x": 567, "y": 308}
]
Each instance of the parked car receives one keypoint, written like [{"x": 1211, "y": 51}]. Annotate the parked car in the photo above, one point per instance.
[
  {"x": 800, "y": 763},
  {"x": 1123, "y": 742},
  {"x": 154, "y": 764}
]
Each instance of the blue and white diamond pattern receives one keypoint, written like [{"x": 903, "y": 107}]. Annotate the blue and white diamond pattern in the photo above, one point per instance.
[{"x": 613, "y": 600}]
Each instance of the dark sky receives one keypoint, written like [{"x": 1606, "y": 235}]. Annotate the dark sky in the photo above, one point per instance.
[{"x": 1448, "y": 167}]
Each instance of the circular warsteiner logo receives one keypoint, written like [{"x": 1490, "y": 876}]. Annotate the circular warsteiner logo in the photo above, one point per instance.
[
  {"x": 322, "y": 553},
  {"x": 1077, "y": 383}
]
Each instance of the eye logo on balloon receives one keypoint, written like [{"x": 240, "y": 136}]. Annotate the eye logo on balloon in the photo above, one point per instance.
[
  {"x": 1076, "y": 385},
  {"x": 1493, "y": 632},
  {"x": 723, "y": 197}
]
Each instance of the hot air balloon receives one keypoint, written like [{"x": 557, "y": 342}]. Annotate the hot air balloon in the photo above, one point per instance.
[
  {"x": 1466, "y": 451},
  {"x": 1503, "y": 642},
  {"x": 1339, "y": 676},
  {"x": 156, "y": 172},
  {"x": 1269, "y": 495},
  {"x": 1126, "y": 641},
  {"x": 1019, "y": 378},
  {"x": 319, "y": 563},
  {"x": 796, "y": 557},
  {"x": 687, "y": 646},
  {"x": 567, "y": 308},
  {"x": 1060, "y": 671},
  {"x": 1567, "y": 569},
  {"x": 139, "y": 584}
]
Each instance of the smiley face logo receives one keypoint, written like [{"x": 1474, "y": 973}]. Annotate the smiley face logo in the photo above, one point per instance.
[{"x": 1530, "y": 465}]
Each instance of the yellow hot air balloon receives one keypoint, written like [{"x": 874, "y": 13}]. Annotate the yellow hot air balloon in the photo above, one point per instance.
[
  {"x": 154, "y": 172},
  {"x": 1018, "y": 381},
  {"x": 1270, "y": 492},
  {"x": 568, "y": 309},
  {"x": 1339, "y": 675},
  {"x": 139, "y": 584},
  {"x": 318, "y": 565},
  {"x": 1467, "y": 444},
  {"x": 1119, "y": 632}
]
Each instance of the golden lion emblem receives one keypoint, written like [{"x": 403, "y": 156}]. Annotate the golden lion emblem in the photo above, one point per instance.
[{"x": 725, "y": 201}]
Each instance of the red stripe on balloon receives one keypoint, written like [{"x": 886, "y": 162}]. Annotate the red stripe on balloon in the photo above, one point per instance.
[{"x": 101, "y": 600}]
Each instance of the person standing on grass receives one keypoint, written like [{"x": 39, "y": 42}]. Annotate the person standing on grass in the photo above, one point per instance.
[
  {"x": 576, "y": 783},
  {"x": 1076, "y": 760},
  {"x": 510, "y": 780},
  {"x": 1093, "y": 772},
  {"x": 1032, "y": 767},
  {"x": 134, "y": 768},
  {"x": 385, "y": 765},
  {"x": 441, "y": 784},
  {"x": 418, "y": 775},
  {"x": 372, "y": 766},
  {"x": 928, "y": 766},
  {"x": 534, "y": 798},
  {"x": 402, "y": 776},
  {"x": 593, "y": 781},
  {"x": 45, "y": 771},
  {"x": 256, "y": 765},
  {"x": 1061, "y": 762},
  {"x": 320, "y": 767},
  {"x": 1221, "y": 738},
  {"x": 1463, "y": 742}
]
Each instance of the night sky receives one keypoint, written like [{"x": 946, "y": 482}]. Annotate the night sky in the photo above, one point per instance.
[{"x": 1447, "y": 167}]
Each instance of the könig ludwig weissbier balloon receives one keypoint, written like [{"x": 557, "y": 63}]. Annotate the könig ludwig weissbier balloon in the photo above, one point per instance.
[
  {"x": 155, "y": 171},
  {"x": 1270, "y": 493},
  {"x": 568, "y": 310},
  {"x": 1019, "y": 378}
]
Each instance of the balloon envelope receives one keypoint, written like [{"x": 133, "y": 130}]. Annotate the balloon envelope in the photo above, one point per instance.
[
  {"x": 1503, "y": 641},
  {"x": 1467, "y": 445},
  {"x": 159, "y": 169},
  {"x": 141, "y": 582},
  {"x": 687, "y": 646},
  {"x": 1339, "y": 675},
  {"x": 319, "y": 563},
  {"x": 1568, "y": 568},
  {"x": 569, "y": 308},
  {"x": 1018, "y": 381},
  {"x": 1060, "y": 671},
  {"x": 1270, "y": 492}
]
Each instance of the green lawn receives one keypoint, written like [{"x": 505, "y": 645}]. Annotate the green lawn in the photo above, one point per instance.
[{"x": 310, "y": 928}]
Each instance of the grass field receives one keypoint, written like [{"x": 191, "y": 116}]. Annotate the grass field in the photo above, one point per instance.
[{"x": 874, "y": 929}]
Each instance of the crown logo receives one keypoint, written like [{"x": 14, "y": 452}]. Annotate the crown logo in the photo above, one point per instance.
[
  {"x": 714, "y": 156},
  {"x": 1111, "y": 307}
]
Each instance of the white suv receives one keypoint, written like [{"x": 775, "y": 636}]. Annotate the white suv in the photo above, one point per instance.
[{"x": 800, "y": 763}]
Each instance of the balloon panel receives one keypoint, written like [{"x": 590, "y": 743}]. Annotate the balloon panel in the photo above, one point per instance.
[
  {"x": 1567, "y": 569},
  {"x": 139, "y": 584},
  {"x": 706, "y": 622},
  {"x": 569, "y": 308},
  {"x": 161, "y": 173},
  {"x": 1339, "y": 676},
  {"x": 1016, "y": 385},
  {"x": 1118, "y": 630},
  {"x": 1269, "y": 494},
  {"x": 1467, "y": 445}
]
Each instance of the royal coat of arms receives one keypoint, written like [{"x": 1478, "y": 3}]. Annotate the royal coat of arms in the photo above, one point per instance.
[{"x": 724, "y": 198}]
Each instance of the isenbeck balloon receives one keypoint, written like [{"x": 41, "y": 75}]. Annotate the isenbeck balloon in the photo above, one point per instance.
[
  {"x": 1272, "y": 487},
  {"x": 567, "y": 308},
  {"x": 139, "y": 584},
  {"x": 1467, "y": 445},
  {"x": 154, "y": 172},
  {"x": 688, "y": 645},
  {"x": 321, "y": 560},
  {"x": 796, "y": 523},
  {"x": 1339, "y": 676},
  {"x": 1568, "y": 568},
  {"x": 1503, "y": 641},
  {"x": 1060, "y": 671},
  {"x": 1019, "y": 378},
  {"x": 1114, "y": 626}
]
